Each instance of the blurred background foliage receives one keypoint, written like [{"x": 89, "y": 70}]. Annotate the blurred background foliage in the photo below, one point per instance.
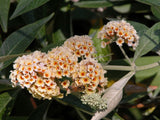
[{"x": 29, "y": 25}]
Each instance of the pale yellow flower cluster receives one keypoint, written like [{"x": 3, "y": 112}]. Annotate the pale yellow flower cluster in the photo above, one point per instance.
[
  {"x": 32, "y": 73},
  {"x": 119, "y": 32},
  {"x": 45, "y": 74},
  {"x": 61, "y": 62},
  {"x": 80, "y": 45},
  {"x": 90, "y": 75}
]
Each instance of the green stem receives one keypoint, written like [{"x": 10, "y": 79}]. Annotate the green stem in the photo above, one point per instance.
[
  {"x": 125, "y": 55},
  {"x": 80, "y": 114},
  {"x": 115, "y": 67},
  {"x": 131, "y": 68},
  {"x": 145, "y": 67}
]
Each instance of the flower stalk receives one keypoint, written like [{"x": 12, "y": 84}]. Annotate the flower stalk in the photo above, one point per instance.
[{"x": 131, "y": 68}]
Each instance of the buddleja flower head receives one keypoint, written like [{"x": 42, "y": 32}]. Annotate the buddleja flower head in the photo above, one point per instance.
[
  {"x": 90, "y": 76},
  {"x": 80, "y": 45},
  {"x": 31, "y": 72},
  {"x": 45, "y": 74},
  {"x": 61, "y": 62},
  {"x": 119, "y": 32},
  {"x": 94, "y": 100}
]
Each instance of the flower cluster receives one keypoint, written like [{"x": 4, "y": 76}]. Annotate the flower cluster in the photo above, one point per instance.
[
  {"x": 31, "y": 73},
  {"x": 44, "y": 75},
  {"x": 94, "y": 100},
  {"x": 90, "y": 76},
  {"x": 61, "y": 62},
  {"x": 119, "y": 32},
  {"x": 80, "y": 45}
]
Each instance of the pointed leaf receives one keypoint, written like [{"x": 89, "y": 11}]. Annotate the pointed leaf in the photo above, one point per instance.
[
  {"x": 149, "y": 73},
  {"x": 156, "y": 10},
  {"x": 139, "y": 27},
  {"x": 8, "y": 57},
  {"x": 74, "y": 101},
  {"x": 18, "y": 41},
  {"x": 93, "y": 4},
  {"x": 5, "y": 98},
  {"x": 113, "y": 95},
  {"x": 148, "y": 41},
  {"x": 27, "y": 5},
  {"x": 58, "y": 36},
  {"x": 150, "y": 2},
  {"x": 41, "y": 36},
  {"x": 117, "y": 117},
  {"x": 4, "y": 10}
]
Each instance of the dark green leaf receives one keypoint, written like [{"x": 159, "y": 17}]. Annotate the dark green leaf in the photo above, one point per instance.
[
  {"x": 8, "y": 57},
  {"x": 5, "y": 98},
  {"x": 18, "y": 41},
  {"x": 131, "y": 99},
  {"x": 50, "y": 46},
  {"x": 117, "y": 117},
  {"x": 150, "y": 2},
  {"x": 93, "y": 4},
  {"x": 4, "y": 10},
  {"x": 58, "y": 36},
  {"x": 136, "y": 113},
  {"x": 148, "y": 41},
  {"x": 27, "y": 5},
  {"x": 41, "y": 36},
  {"x": 75, "y": 102},
  {"x": 5, "y": 85},
  {"x": 156, "y": 10}
]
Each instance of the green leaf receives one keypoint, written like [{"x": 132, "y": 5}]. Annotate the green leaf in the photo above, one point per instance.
[
  {"x": 140, "y": 75},
  {"x": 58, "y": 36},
  {"x": 125, "y": 8},
  {"x": 5, "y": 98},
  {"x": 155, "y": 80},
  {"x": 150, "y": 2},
  {"x": 93, "y": 4},
  {"x": 50, "y": 46},
  {"x": 8, "y": 57},
  {"x": 102, "y": 54},
  {"x": 75, "y": 102},
  {"x": 148, "y": 41},
  {"x": 139, "y": 27},
  {"x": 136, "y": 113},
  {"x": 148, "y": 74},
  {"x": 27, "y": 5},
  {"x": 156, "y": 11},
  {"x": 5, "y": 85},
  {"x": 18, "y": 41},
  {"x": 117, "y": 117},
  {"x": 41, "y": 36},
  {"x": 4, "y": 10}
]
